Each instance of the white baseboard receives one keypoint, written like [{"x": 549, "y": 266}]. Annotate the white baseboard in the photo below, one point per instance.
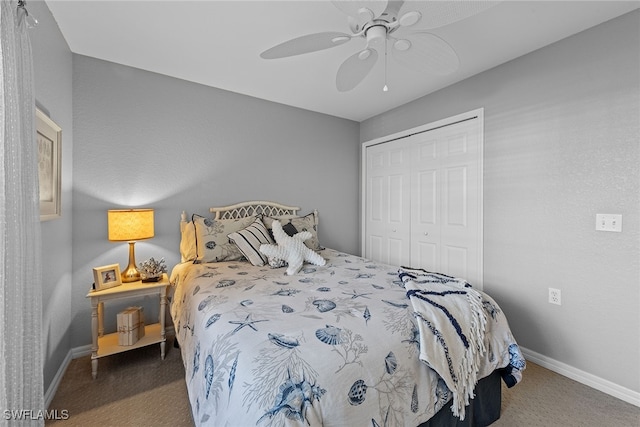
[
  {"x": 81, "y": 351},
  {"x": 74, "y": 353},
  {"x": 53, "y": 387},
  {"x": 582, "y": 377}
]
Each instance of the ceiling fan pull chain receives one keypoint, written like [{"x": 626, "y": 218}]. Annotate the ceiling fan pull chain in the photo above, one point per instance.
[{"x": 385, "y": 88}]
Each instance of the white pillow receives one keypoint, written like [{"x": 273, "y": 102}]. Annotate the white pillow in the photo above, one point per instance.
[{"x": 249, "y": 239}]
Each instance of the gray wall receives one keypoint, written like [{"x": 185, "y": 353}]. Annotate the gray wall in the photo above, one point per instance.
[
  {"x": 144, "y": 139},
  {"x": 52, "y": 62},
  {"x": 562, "y": 143}
]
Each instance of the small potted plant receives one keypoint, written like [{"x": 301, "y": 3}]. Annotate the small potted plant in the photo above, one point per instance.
[{"x": 152, "y": 270}]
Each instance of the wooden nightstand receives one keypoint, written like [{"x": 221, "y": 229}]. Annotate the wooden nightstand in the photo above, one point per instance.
[{"x": 105, "y": 345}]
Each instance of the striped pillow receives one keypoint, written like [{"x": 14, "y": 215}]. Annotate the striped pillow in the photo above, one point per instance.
[{"x": 249, "y": 240}]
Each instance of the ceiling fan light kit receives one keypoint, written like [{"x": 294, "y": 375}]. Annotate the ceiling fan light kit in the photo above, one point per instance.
[{"x": 378, "y": 22}]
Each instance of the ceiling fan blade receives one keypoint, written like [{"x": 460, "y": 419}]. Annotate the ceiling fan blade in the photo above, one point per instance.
[
  {"x": 355, "y": 69},
  {"x": 423, "y": 51},
  {"x": 361, "y": 10},
  {"x": 306, "y": 44},
  {"x": 427, "y": 15}
]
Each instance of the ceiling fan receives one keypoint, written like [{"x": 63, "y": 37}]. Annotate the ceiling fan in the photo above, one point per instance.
[{"x": 396, "y": 26}]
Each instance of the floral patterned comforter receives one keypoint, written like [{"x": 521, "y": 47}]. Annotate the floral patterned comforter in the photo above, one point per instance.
[{"x": 336, "y": 345}]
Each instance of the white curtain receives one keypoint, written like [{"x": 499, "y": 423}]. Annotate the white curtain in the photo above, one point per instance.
[{"x": 21, "y": 378}]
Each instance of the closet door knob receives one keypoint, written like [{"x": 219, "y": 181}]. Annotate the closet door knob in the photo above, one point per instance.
[{"x": 426, "y": 233}]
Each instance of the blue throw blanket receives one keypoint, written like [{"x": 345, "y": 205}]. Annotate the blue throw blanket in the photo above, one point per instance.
[{"x": 453, "y": 319}]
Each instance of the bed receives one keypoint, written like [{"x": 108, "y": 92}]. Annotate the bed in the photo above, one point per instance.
[{"x": 349, "y": 343}]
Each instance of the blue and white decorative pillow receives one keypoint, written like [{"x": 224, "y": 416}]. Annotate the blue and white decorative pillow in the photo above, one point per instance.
[
  {"x": 212, "y": 241},
  {"x": 249, "y": 239},
  {"x": 295, "y": 224}
]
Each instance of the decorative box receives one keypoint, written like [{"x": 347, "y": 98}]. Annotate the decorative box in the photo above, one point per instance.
[{"x": 130, "y": 325}]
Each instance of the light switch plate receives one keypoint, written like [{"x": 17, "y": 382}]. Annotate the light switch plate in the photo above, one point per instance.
[{"x": 609, "y": 222}]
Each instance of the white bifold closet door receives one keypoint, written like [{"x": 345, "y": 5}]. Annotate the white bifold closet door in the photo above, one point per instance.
[
  {"x": 388, "y": 203},
  {"x": 423, "y": 200}
]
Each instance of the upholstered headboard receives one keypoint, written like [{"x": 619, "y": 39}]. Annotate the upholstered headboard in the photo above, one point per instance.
[{"x": 245, "y": 209}]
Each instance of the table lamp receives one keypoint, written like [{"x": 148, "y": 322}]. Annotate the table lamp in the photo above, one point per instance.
[{"x": 130, "y": 225}]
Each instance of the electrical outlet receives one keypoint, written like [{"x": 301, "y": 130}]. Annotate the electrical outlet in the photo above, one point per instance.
[{"x": 555, "y": 296}]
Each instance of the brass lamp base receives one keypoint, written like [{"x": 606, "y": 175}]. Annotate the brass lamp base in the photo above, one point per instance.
[{"x": 131, "y": 273}]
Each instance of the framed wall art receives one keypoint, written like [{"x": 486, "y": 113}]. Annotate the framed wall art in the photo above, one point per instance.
[
  {"x": 49, "y": 140},
  {"x": 106, "y": 277}
]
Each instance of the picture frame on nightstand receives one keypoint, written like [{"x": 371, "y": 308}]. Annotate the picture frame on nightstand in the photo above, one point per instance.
[{"x": 107, "y": 276}]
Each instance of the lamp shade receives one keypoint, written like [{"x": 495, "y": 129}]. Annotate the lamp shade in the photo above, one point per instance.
[{"x": 130, "y": 224}]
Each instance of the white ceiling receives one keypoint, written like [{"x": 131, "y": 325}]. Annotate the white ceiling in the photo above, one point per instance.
[{"x": 218, "y": 43}]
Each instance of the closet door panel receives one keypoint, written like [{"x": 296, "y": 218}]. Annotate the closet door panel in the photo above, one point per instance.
[
  {"x": 455, "y": 261},
  {"x": 374, "y": 245},
  {"x": 460, "y": 242},
  {"x": 456, "y": 144},
  {"x": 396, "y": 251},
  {"x": 425, "y": 202},
  {"x": 375, "y": 215},
  {"x": 396, "y": 199},
  {"x": 425, "y": 255},
  {"x": 426, "y": 194},
  {"x": 376, "y": 198},
  {"x": 455, "y": 197},
  {"x": 398, "y": 225},
  {"x": 425, "y": 227},
  {"x": 388, "y": 203},
  {"x": 375, "y": 203},
  {"x": 427, "y": 149}
]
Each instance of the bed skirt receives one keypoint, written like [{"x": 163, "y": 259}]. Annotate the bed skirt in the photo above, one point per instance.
[{"x": 483, "y": 410}]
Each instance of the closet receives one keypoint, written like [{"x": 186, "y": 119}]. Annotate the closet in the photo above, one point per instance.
[{"x": 422, "y": 197}]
